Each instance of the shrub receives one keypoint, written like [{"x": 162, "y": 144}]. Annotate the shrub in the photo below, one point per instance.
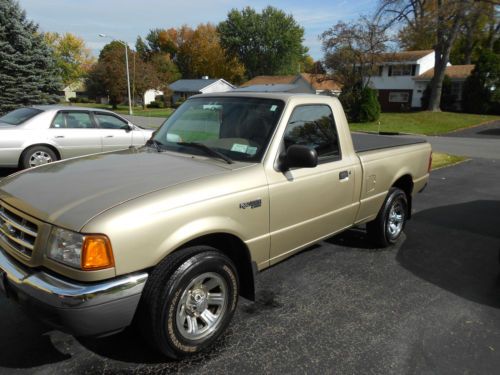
[
  {"x": 360, "y": 103},
  {"x": 369, "y": 106},
  {"x": 73, "y": 100},
  {"x": 155, "y": 104}
]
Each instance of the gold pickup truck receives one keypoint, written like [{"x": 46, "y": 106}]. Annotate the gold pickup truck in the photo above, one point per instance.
[{"x": 170, "y": 234}]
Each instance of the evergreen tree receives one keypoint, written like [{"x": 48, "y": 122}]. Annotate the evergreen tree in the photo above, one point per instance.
[
  {"x": 481, "y": 93},
  {"x": 28, "y": 72}
]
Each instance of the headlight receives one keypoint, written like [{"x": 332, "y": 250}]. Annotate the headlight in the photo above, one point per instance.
[{"x": 86, "y": 252}]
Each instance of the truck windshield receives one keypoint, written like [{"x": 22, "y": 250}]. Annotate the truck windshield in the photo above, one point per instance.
[
  {"x": 18, "y": 116},
  {"x": 239, "y": 128}
]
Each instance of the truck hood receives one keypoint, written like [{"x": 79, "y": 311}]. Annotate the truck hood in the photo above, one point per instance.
[{"x": 71, "y": 192}]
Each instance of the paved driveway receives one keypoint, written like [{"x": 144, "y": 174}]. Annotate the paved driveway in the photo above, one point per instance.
[{"x": 431, "y": 304}]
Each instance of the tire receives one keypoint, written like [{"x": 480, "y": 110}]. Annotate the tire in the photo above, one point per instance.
[
  {"x": 177, "y": 315},
  {"x": 389, "y": 224},
  {"x": 37, "y": 155}
]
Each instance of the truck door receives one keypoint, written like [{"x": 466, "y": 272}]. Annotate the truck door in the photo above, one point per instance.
[{"x": 307, "y": 204}]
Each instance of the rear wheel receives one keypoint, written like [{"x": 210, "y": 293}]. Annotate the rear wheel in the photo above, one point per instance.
[
  {"x": 388, "y": 226},
  {"x": 189, "y": 301},
  {"x": 37, "y": 155}
]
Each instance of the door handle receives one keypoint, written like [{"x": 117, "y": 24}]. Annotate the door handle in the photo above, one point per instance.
[
  {"x": 109, "y": 136},
  {"x": 344, "y": 175},
  {"x": 59, "y": 136}
]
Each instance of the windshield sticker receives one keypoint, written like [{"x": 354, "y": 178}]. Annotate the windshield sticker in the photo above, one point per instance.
[
  {"x": 239, "y": 148},
  {"x": 251, "y": 150},
  {"x": 273, "y": 108}
]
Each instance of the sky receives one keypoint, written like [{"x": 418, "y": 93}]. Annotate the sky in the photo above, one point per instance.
[{"x": 126, "y": 19}]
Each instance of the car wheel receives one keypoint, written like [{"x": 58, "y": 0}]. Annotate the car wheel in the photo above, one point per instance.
[
  {"x": 189, "y": 301},
  {"x": 388, "y": 226},
  {"x": 37, "y": 155}
]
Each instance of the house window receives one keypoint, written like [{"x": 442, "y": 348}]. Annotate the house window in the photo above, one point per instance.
[
  {"x": 456, "y": 90},
  {"x": 402, "y": 70},
  {"x": 399, "y": 97}
]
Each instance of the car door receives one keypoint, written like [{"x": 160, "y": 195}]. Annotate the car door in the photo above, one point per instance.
[
  {"x": 74, "y": 133},
  {"x": 116, "y": 133},
  {"x": 310, "y": 203}
]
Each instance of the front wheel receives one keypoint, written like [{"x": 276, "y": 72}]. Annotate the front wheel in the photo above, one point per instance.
[
  {"x": 189, "y": 301},
  {"x": 388, "y": 226}
]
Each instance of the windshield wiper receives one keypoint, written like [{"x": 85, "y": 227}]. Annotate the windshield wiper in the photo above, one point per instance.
[
  {"x": 157, "y": 144},
  {"x": 208, "y": 150}
]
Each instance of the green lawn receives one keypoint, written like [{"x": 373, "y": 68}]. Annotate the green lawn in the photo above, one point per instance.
[
  {"x": 428, "y": 123},
  {"x": 440, "y": 160},
  {"x": 123, "y": 109}
]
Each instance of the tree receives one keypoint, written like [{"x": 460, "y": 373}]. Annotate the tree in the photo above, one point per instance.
[
  {"x": 447, "y": 97},
  {"x": 353, "y": 52},
  {"x": 481, "y": 93},
  {"x": 28, "y": 72},
  {"x": 202, "y": 55},
  {"x": 476, "y": 34},
  {"x": 73, "y": 58},
  {"x": 445, "y": 17},
  {"x": 267, "y": 43},
  {"x": 317, "y": 68},
  {"x": 108, "y": 76}
]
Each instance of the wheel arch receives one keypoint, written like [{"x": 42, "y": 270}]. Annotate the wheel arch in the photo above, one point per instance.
[
  {"x": 48, "y": 145},
  {"x": 405, "y": 183},
  {"x": 236, "y": 250}
]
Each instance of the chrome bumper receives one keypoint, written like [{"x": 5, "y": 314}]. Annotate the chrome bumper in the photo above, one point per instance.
[{"x": 85, "y": 309}]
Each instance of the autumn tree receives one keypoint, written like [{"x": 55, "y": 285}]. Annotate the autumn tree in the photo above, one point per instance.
[
  {"x": 267, "y": 43},
  {"x": 73, "y": 58},
  {"x": 477, "y": 33},
  {"x": 108, "y": 76},
  {"x": 203, "y": 55},
  {"x": 28, "y": 71}
]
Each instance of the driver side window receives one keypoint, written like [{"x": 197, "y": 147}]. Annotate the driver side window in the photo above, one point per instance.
[{"x": 313, "y": 126}]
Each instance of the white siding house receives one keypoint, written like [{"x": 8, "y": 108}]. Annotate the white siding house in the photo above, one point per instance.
[
  {"x": 184, "y": 88},
  {"x": 395, "y": 81},
  {"x": 150, "y": 96}
]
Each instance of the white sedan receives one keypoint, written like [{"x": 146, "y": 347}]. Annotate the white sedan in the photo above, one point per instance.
[{"x": 38, "y": 135}]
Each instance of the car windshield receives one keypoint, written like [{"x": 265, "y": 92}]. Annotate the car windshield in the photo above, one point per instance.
[
  {"x": 18, "y": 116},
  {"x": 236, "y": 127}
]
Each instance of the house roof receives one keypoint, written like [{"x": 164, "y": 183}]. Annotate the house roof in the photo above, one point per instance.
[
  {"x": 280, "y": 87},
  {"x": 317, "y": 81},
  {"x": 321, "y": 82},
  {"x": 405, "y": 56},
  {"x": 452, "y": 71},
  {"x": 191, "y": 85},
  {"x": 270, "y": 80}
]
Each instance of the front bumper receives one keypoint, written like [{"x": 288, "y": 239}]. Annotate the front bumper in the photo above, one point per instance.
[{"x": 82, "y": 309}]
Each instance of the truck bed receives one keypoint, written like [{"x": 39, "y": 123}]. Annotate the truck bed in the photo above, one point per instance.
[{"x": 368, "y": 142}]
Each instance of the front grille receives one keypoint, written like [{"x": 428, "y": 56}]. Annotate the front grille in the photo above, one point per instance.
[{"x": 16, "y": 231}]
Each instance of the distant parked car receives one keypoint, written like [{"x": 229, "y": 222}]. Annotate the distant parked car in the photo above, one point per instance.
[{"x": 39, "y": 135}]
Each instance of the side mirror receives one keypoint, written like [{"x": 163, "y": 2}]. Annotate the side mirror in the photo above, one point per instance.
[
  {"x": 129, "y": 128},
  {"x": 299, "y": 156}
]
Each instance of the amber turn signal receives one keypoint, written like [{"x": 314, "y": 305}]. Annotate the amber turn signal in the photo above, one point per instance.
[{"x": 97, "y": 253}]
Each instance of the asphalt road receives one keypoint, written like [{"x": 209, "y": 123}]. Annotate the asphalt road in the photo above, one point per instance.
[
  {"x": 431, "y": 304},
  {"x": 476, "y": 142},
  {"x": 145, "y": 121}
]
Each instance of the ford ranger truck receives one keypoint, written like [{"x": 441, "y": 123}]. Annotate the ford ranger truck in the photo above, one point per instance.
[{"x": 169, "y": 235}]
